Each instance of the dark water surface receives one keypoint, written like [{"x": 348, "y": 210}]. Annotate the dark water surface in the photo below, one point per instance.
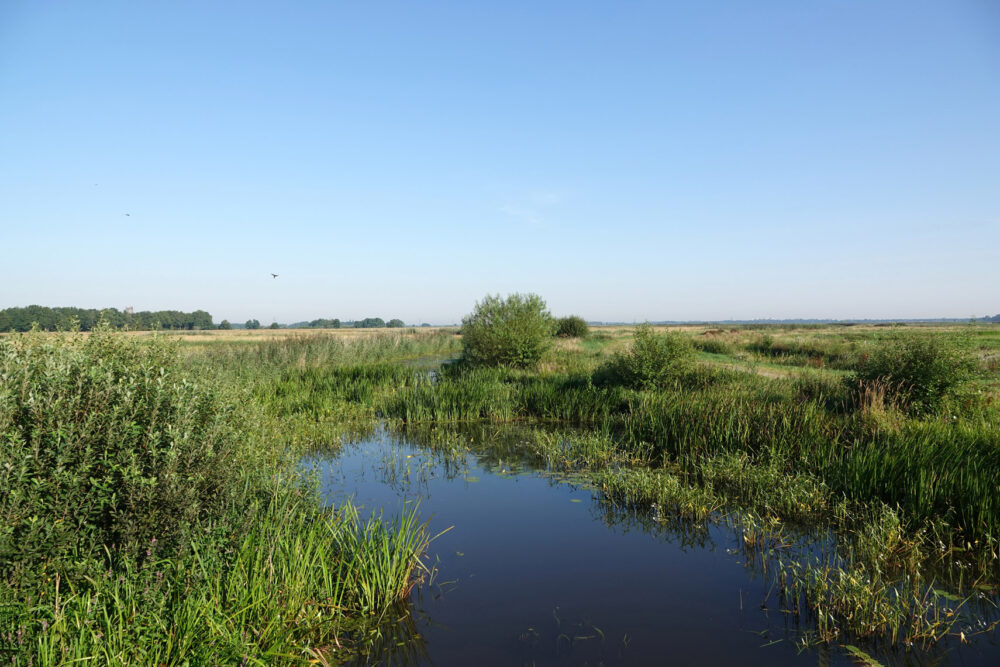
[{"x": 537, "y": 571}]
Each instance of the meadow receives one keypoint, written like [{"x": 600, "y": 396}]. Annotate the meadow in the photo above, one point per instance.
[{"x": 154, "y": 496}]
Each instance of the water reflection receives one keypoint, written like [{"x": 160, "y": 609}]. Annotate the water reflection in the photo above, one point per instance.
[{"x": 541, "y": 569}]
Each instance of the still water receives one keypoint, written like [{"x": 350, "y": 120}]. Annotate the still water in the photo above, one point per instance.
[{"x": 535, "y": 569}]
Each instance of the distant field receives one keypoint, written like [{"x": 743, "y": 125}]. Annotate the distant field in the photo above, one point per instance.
[{"x": 258, "y": 335}]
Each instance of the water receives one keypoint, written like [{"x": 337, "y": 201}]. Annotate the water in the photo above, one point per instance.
[{"x": 535, "y": 570}]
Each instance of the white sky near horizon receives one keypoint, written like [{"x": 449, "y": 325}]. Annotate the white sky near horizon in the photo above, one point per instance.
[{"x": 648, "y": 161}]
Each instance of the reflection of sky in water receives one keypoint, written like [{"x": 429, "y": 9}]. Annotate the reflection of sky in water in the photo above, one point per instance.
[{"x": 536, "y": 571}]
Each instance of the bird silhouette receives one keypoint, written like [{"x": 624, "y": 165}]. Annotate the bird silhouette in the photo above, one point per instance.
[
  {"x": 128, "y": 215},
  {"x": 274, "y": 275}
]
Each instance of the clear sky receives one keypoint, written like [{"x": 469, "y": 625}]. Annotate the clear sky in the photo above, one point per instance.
[{"x": 625, "y": 160}]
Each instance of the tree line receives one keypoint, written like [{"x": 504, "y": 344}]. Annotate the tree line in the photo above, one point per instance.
[
  {"x": 335, "y": 323},
  {"x": 54, "y": 319}
]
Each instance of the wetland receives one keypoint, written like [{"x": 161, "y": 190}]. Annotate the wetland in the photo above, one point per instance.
[{"x": 632, "y": 495}]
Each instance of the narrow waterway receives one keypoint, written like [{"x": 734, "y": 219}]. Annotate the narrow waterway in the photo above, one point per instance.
[{"x": 535, "y": 569}]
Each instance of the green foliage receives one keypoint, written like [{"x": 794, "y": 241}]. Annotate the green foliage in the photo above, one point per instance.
[
  {"x": 370, "y": 323},
  {"x": 916, "y": 371},
  {"x": 252, "y": 324},
  {"x": 507, "y": 332},
  {"x": 652, "y": 361},
  {"x": 322, "y": 323},
  {"x": 274, "y": 325},
  {"x": 395, "y": 324},
  {"x": 572, "y": 327},
  {"x": 147, "y": 519},
  {"x": 65, "y": 319},
  {"x": 225, "y": 325},
  {"x": 107, "y": 445},
  {"x": 712, "y": 345},
  {"x": 293, "y": 583}
]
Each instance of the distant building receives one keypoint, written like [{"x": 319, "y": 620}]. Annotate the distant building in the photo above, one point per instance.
[{"x": 129, "y": 310}]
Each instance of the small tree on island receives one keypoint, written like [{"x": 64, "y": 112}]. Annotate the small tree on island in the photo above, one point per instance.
[{"x": 514, "y": 331}]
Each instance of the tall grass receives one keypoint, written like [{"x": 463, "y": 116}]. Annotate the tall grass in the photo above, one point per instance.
[
  {"x": 939, "y": 466},
  {"x": 148, "y": 515},
  {"x": 900, "y": 488}
]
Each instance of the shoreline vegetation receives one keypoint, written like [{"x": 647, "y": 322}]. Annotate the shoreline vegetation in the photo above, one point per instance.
[{"x": 152, "y": 479}]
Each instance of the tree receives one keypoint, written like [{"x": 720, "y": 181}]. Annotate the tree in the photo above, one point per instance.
[
  {"x": 572, "y": 327},
  {"x": 252, "y": 324},
  {"x": 507, "y": 332},
  {"x": 322, "y": 323},
  {"x": 225, "y": 325},
  {"x": 52, "y": 319},
  {"x": 274, "y": 325},
  {"x": 395, "y": 324}
]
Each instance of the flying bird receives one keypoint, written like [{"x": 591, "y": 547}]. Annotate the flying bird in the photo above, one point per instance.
[
  {"x": 128, "y": 215},
  {"x": 274, "y": 275}
]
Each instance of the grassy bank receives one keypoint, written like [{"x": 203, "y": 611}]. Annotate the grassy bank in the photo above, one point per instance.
[{"x": 152, "y": 512}]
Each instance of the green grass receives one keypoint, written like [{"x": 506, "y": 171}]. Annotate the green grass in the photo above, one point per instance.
[
  {"x": 763, "y": 432},
  {"x": 153, "y": 512}
]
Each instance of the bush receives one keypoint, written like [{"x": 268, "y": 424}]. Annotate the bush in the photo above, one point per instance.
[
  {"x": 105, "y": 446},
  {"x": 507, "y": 332},
  {"x": 915, "y": 371},
  {"x": 572, "y": 327},
  {"x": 652, "y": 361}
]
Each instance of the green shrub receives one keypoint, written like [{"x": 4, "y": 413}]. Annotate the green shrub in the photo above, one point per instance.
[
  {"x": 507, "y": 332},
  {"x": 104, "y": 446},
  {"x": 712, "y": 345},
  {"x": 652, "y": 361},
  {"x": 572, "y": 327},
  {"x": 915, "y": 371}
]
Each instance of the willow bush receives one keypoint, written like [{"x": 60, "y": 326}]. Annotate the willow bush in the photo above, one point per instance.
[
  {"x": 652, "y": 361},
  {"x": 513, "y": 331},
  {"x": 104, "y": 446}
]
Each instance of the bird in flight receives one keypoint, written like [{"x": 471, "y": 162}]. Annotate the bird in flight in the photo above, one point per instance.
[
  {"x": 128, "y": 215},
  {"x": 274, "y": 275}
]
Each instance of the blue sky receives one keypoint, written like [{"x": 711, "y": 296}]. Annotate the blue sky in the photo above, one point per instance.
[{"x": 626, "y": 161}]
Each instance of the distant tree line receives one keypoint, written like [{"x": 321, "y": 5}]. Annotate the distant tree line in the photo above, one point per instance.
[
  {"x": 366, "y": 323},
  {"x": 53, "y": 319}
]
